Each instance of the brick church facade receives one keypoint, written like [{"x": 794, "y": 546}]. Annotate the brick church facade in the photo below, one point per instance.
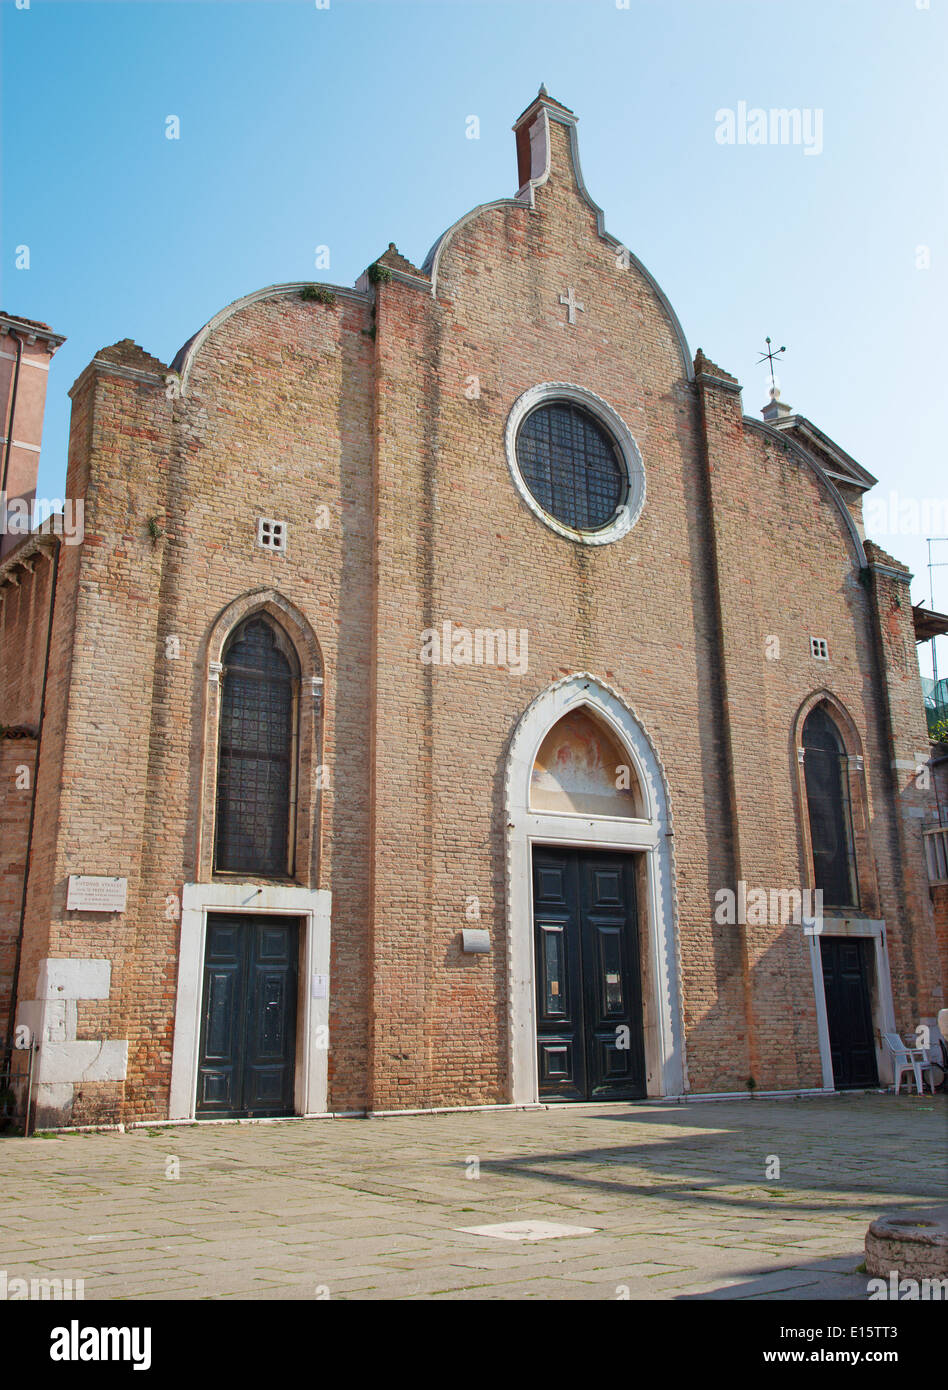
[{"x": 449, "y": 683}]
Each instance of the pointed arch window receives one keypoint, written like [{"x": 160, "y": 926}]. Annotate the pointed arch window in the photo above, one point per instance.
[
  {"x": 826, "y": 772},
  {"x": 257, "y": 752}
]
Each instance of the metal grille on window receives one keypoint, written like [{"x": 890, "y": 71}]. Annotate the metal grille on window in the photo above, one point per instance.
[
  {"x": 825, "y": 766},
  {"x": 571, "y": 466},
  {"x": 255, "y": 776},
  {"x": 271, "y": 535}
]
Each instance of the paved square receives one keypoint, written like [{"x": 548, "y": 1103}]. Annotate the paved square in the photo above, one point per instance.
[{"x": 678, "y": 1198}]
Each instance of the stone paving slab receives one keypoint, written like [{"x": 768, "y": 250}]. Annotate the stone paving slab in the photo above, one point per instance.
[{"x": 678, "y": 1197}]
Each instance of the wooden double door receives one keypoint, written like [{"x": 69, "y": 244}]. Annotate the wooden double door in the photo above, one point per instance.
[
  {"x": 588, "y": 980},
  {"x": 847, "y": 985},
  {"x": 247, "y": 1060}
]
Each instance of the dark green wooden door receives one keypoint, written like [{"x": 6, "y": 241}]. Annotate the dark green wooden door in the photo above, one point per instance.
[
  {"x": 589, "y": 1004},
  {"x": 248, "y": 1016},
  {"x": 847, "y": 971}
]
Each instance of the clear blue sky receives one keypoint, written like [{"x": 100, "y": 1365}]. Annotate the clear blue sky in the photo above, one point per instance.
[{"x": 345, "y": 126}]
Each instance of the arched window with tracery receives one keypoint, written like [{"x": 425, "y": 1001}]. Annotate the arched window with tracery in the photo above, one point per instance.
[
  {"x": 826, "y": 773},
  {"x": 257, "y": 751}
]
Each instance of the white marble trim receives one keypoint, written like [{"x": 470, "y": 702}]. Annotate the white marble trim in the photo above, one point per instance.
[
  {"x": 313, "y": 906},
  {"x": 548, "y": 392},
  {"x": 883, "y": 1009},
  {"x": 665, "y": 1046}
]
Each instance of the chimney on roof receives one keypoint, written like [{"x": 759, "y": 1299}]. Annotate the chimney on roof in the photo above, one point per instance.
[
  {"x": 775, "y": 410},
  {"x": 533, "y": 135}
]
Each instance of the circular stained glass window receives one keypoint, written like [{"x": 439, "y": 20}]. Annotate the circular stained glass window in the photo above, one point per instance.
[{"x": 572, "y": 466}]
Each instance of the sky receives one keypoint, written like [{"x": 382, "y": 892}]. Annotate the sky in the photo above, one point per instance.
[{"x": 343, "y": 124}]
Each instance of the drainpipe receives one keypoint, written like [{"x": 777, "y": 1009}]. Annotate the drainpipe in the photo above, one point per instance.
[
  {"x": 933, "y": 763},
  {"x": 29, "y": 834}
]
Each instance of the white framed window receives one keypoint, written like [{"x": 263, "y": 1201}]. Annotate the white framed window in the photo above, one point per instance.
[
  {"x": 271, "y": 535},
  {"x": 575, "y": 463},
  {"x": 819, "y": 648}
]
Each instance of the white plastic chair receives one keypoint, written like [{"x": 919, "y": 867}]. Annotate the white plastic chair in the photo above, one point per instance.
[{"x": 905, "y": 1058}]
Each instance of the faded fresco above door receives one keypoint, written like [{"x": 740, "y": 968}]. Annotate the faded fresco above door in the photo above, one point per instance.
[{"x": 582, "y": 769}]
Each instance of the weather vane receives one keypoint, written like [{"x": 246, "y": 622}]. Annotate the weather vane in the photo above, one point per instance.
[{"x": 771, "y": 356}]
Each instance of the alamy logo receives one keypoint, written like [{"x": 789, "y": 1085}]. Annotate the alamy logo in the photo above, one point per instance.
[
  {"x": 898, "y": 515},
  {"x": 21, "y": 516},
  {"x": 453, "y": 645},
  {"x": 778, "y": 126},
  {"x": 907, "y": 1290},
  {"x": 760, "y": 907},
  {"x": 75, "y": 1343},
  {"x": 39, "y": 1290}
]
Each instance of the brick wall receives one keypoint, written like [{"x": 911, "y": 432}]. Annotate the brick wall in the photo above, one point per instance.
[
  {"x": 940, "y": 909},
  {"x": 277, "y": 423},
  {"x": 17, "y": 761},
  {"x": 24, "y": 627},
  {"x": 366, "y": 407}
]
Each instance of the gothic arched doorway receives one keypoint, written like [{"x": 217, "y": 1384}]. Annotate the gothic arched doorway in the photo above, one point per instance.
[{"x": 594, "y": 977}]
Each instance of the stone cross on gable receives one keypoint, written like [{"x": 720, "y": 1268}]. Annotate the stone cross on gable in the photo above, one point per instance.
[{"x": 572, "y": 304}]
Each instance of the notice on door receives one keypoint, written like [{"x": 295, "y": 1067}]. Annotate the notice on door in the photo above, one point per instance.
[{"x": 96, "y": 893}]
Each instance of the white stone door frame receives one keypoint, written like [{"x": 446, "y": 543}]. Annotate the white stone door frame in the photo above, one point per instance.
[
  {"x": 313, "y": 908},
  {"x": 883, "y": 1009},
  {"x": 652, "y": 836}
]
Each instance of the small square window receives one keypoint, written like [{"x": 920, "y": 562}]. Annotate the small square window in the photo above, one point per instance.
[
  {"x": 271, "y": 535},
  {"x": 819, "y": 648}
]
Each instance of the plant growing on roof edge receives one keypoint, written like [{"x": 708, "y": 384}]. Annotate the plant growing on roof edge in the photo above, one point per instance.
[
  {"x": 318, "y": 294},
  {"x": 378, "y": 274},
  {"x": 937, "y": 725}
]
